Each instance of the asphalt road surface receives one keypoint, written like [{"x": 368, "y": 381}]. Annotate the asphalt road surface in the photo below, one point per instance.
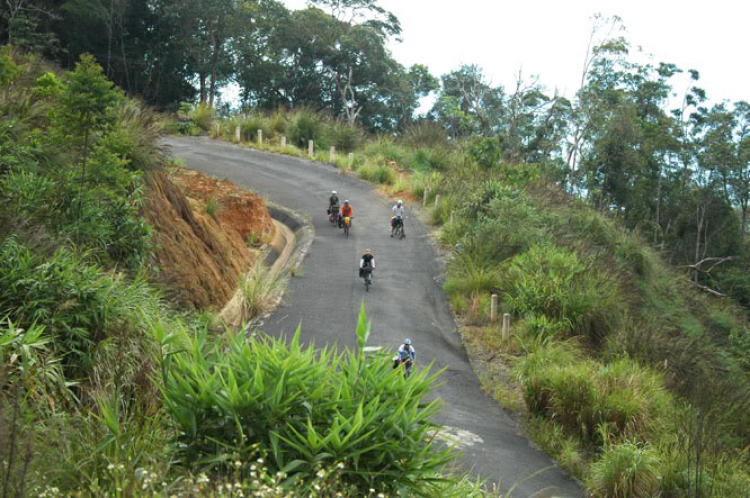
[{"x": 405, "y": 300}]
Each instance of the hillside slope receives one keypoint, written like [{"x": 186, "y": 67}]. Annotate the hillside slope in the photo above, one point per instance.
[{"x": 200, "y": 257}]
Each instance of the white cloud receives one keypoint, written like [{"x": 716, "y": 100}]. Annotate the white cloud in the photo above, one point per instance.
[{"x": 548, "y": 37}]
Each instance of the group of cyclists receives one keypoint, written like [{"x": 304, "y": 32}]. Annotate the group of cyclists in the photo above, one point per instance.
[
  {"x": 338, "y": 213},
  {"x": 406, "y": 355}
]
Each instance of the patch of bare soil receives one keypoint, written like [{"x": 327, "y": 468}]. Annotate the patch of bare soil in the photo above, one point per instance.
[
  {"x": 240, "y": 210},
  {"x": 199, "y": 258}
]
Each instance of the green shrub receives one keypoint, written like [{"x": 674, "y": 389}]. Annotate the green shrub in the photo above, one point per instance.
[
  {"x": 421, "y": 181},
  {"x": 425, "y": 134},
  {"x": 213, "y": 206},
  {"x": 75, "y": 301},
  {"x": 345, "y": 137},
  {"x": 625, "y": 470},
  {"x": 634, "y": 253},
  {"x": 732, "y": 279},
  {"x": 386, "y": 150},
  {"x": 377, "y": 174},
  {"x": 467, "y": 276},
  {"x": 550, "y": 281},
  {"x": 495, "y": 236},
  {"x": 27, "y": 358},
  {"x": 594, "y": 228},
  {"x": 103, "y": 217},
  {"x": 441, "y": 214},
  {"x": 305, "y": 125},
  {"x": 430, "y": 159},
  {"x": 476, "y": 203},
  {"x": 308, "y": 409},
  {"x": 485, "y": 151}
]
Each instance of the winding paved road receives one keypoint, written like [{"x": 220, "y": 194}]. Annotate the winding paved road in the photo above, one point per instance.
[{"x": 406, "y": 299}]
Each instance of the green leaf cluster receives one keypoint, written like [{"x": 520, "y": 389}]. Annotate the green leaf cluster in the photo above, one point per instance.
[{"x": 306, "y": 408}]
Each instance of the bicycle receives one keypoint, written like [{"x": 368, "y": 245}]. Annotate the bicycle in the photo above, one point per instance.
[
  {"x": 333, "y": 216},
  {"x": 398, "y": 229},
  {"x": 367, "y": 276}
]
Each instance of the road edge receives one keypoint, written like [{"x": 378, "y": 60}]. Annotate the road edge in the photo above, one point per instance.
[{"x": 283, "y": 256}]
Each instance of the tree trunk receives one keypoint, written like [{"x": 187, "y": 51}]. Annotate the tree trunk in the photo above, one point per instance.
[
  {"x": 700, "y": 214},
  {"x": 657, "y": 223},
  {"x": 214, "y": 59},
  {"x": 83, "y": 171},
  {"x": 202, "y": 78}
]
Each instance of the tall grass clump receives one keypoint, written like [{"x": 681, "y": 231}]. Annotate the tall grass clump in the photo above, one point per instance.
[
  {"x": 442, "y": 212},
  {"x": 424, "y": 134},
  {"x": 598, "y": 403},
  {"x": 467, "y": 277},
  {"x": 249, "y": 126},
  {"x": 556, "y": 283},
  {"x": 344, "y": 136},
  {"x": 305, "y": 125},
  {"x": 199, "y": 115},
  {"x": 377, "y": 173},
  {"x": 487, "y": 225},
  {"x": 625, "y": 470},
  {"x": 258, "y": 291},
  {"x": 400, "y": 185},
  {"x": 432, "y": 182},
  {"x": 428, "y": 159},
  {"x": 307, "y": 409},
  {"x": 213, "y": 206},
  {"x": 137, "y": 136},
  {"x": 277, "y": 122},
  {"x": 386, "y": 150}
]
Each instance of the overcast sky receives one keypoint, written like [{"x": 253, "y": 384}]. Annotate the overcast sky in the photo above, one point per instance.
[{"x": 548, "y": 38}]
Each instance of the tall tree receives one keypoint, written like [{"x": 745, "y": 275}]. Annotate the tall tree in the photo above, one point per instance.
[
  {"x": 739, "y": 178},
  {"x": 206, "y": 28}
]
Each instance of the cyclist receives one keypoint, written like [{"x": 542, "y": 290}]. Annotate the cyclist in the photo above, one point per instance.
[
  {"x": 346, "y": 210},
  {"x": 398, "y": 216},
  {"x": 366, "y": 263},
  {"x": 406, "y": 352},
  {"x": 333, "y": 204}
]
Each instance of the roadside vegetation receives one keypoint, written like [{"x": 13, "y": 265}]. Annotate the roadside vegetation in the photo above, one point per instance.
[
  {"x": 629, "y": 357},
  {"x": 106, "y": 389},
  {"x": 612, "y": 226}
]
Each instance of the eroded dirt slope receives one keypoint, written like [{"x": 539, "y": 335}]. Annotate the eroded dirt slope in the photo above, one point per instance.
[{"x": 200, "y": 257}]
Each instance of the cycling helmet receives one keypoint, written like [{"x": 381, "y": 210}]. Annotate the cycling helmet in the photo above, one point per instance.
[
  {"x": 400, "y": 202},
  {"x": 346, "y": 202},
  {"x": 407, "y": 341},
  {"x": 367, "y": 251},
  {"x": 334, "y": 192}
]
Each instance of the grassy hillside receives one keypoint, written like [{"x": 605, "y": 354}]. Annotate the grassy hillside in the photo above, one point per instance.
[
  {"x": 625, "y": 371},
  {"x": 108, "y": 390}
]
